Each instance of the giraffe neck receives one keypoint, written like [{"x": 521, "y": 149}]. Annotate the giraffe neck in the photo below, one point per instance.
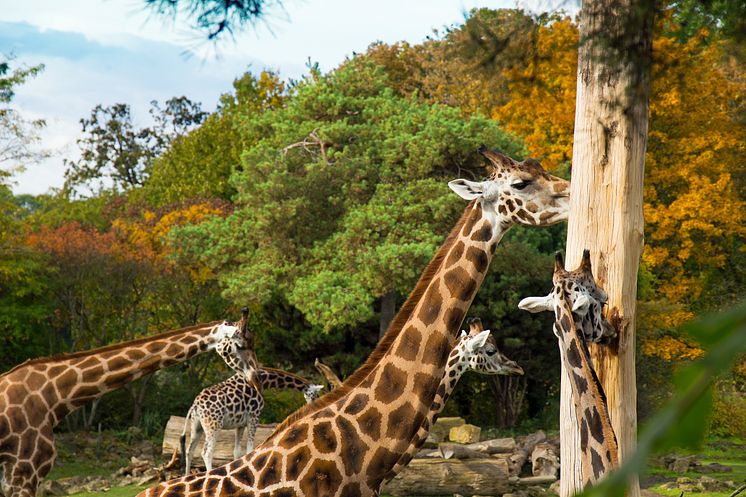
[
  {"x": 281, "y": 380},
  {"x": 598, "y": 443},
  {"x": 456, "y": 367},
  {"x": 66, "y": 382}
]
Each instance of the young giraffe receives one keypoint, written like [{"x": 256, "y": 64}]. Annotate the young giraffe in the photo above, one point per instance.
[
  {"x": 36, "y": 395},
  {"x": 345, "y": 443},
  {"x": 235, "y": 404},
  {"x": 475, "y": 351},
  {"x": 577, "y": 303}
]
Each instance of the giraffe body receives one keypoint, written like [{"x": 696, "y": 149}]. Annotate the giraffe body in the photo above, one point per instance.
[
  {"x": 577, "y": 302},
  {"x": 474, "y": 351},
  {"x": 234, "y": 404},
  {"x": 346, "y": 443},
  {"x": 36, "y": 395}
]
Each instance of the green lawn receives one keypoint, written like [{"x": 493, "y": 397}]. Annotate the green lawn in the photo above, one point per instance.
[{"x": 128, "y": 491}]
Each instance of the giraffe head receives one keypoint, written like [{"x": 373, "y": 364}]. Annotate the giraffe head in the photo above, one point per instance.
[
  {"x": 518, "y": 192},
  {"x": 584, "y": 297},
  {"x": 312, "y": 392},
  {"x": 478, "y": 351},
  {"x": 233, "y": 347}
]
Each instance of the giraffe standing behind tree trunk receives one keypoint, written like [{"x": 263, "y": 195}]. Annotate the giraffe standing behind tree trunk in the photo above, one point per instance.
[
  {"x": 36, "y": 395},
  {"x": 578, "y": 306},
  {"x": 348, "y": 441}
]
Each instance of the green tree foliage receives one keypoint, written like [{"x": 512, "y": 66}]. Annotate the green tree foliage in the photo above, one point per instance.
[{"x": 116, "y": 154}]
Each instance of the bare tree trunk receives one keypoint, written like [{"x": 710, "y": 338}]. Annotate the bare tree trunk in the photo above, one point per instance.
[
  {"x": 611, "y": 123},
  {"x": 388, "y": 311}
]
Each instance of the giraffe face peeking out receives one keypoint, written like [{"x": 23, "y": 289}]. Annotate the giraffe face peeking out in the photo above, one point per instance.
[
  {"x": 312, "y": 392},
  {"x": 587, "y": 298},
  {"x": 233, "y": 348},
  {"x": 481, "y": 353},
  {"x": 518, "y": 192}
]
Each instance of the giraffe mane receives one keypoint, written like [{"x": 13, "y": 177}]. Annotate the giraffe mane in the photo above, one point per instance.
[
  {"x": 107, "y": 348},
  {"x": 392, "y": 332}
]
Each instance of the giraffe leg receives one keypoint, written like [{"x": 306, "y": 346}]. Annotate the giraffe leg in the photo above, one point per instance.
[
  {"x": 211, "y": 433},
  {"x": 237, "y": 444},
  {"x": 195, "y": 436},
  {"x": 251, "y": 425}
]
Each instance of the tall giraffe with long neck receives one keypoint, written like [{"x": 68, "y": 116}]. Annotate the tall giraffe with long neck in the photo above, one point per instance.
[
  {"x": 36, "y": 395},
  {"x": 577, "y": 302},
  {"x": 346, "y": 442}
]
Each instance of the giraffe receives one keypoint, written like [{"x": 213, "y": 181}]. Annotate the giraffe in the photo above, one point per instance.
[
  {"x": 235, "y": 404},
  {"x": 36, "y": 395},
  {"x": 346, "y": 442},
  {"x": 328, "y": 374},
  {"x": 475, "y": 351},
  {"x": 577, "y": 302}
]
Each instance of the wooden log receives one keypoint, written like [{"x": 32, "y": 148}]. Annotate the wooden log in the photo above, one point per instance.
[
  {"x": 494, "y": 446},
  {"x": 521, "y": 455},
  {"x": 487, "y": 476},
  {"x": 458, "y": 451},
  {"x": 223, "y": 446}
]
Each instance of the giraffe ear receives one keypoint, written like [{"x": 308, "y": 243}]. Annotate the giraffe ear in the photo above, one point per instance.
[
  {"x": 463, "y": 333},
  {"x": 537, "y": 304},
  {"x": 581, "y": 305},
  {"x": 468, "y": 190},
  {"x": 478, "y": 340}
]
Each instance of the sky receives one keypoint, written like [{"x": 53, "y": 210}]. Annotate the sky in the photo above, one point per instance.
[{"x": 110, "y": 51}]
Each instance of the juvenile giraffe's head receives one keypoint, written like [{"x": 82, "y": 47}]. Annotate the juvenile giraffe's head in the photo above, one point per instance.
[
  {"x": 518, "y": 192},
  {"x": 312, "y": 392},
  {"x": 233, "y": 348},
  {"x": 477, "y": 350},
  {"x": 585, "y": 297}
]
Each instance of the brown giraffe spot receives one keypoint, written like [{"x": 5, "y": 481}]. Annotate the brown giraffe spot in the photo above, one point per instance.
[
  {"x": 220, "y": 471},
  {"x": 270, "y": 475},
  {"x": 324, "y": 438},
  {"x": 351, "y": 490},
  {"x": 353, "y": 449},
  {"x": 565, "y": 324},
  {"x": 117, "y": 363},
  {"x": 424, "y": 386},
  {"x": 409, "y": 343},
  {"x": 92, "y": 374},
  {"x": 16, "y": 393},
  {"x": 474, "y": 216},
  {"x": 49, "y": 393},
  {"x": 66, "y": 380},
  {"x": 357, "y": 404},
  {"x": 583, "y": 435},
  {"x": 118, "y": 378},
  {"x": 509, "y": 204},
  {"x": 594, "y": 424},
  {"x": 17, "y": 417},
  {"x": 479, "y": 258},
  {"x": 4, "y": 426},
  {"x": 35, "y": 380},
  {"x": 243, "y": 476},
  {"x": 296, "y": 462},
  {"x": 532, "y": 207},
  {"x": 322, "y": 479},
  {"x": 9, "y": 445},
  {"x": 211, "y": 485},
  {"x": 86, "y": 392},
  {"x": 370, "y": 423},
  {"x": 597, "y": 464},
  {"x": 259, "y": 461},
  {"x": 156, "y": 347},
  {"x": 44, "y": 452},
  {"x": 383, "y": 460},
  {"x": 580, "y": 383},
  {"x": 324, "y": 413},
  {"x": 523, "y": 215},
  {"x": 36, "y": 409},
  {"x": 391, "y": 384},
  {"x": 401, "y": 422},
  {"x": 294, "y": 435},
  {"x": 545, "y": 215},
  {"x": 28, "y": 443},
  {"x": 454, "y": 317},
  {"x": 282, "y": 492},
  {"x": 483, "y": 234},
  {"x": 56, "y": 370},
  {"x": 573, "y": 355},
  {"x": 460, "y": 284},
  {"x": 455, "y": 254},
  {"x": 501, "y": 209},
  {"x": 436, "y": 349},
  {"x": 135, "y": 354},
  {"x": 228, "y": 488},
  {"x": 431, "y": 304}
]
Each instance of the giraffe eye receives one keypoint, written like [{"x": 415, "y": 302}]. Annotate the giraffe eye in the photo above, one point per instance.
[
  {"x": 491, "y": 352},
  {"x": 521, "y": 184}
]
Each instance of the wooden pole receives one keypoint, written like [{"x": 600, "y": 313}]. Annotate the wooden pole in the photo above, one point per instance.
[{"x": 611, "y": 123}]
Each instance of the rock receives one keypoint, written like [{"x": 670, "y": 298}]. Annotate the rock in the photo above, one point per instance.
[
  {"x": 464, "y": 434},
  {"x": 51, "y": 488},
  {"x": 431, "y": 442},
  {"x": 145, "y": 450},
  {"x": 537, "y": 480},
  {"x": 150, "y": 476},
  {"x": 680, "y": 464},
  {"x": 443, "y": 426},
  {"x": 713, "y": 467},
  {"x": 544, "y": 460}
]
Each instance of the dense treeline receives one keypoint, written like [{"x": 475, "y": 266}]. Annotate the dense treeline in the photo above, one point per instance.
[{"x": 318, "y": 202}]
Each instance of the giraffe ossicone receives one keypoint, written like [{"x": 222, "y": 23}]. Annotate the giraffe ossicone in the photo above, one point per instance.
[
  {"x": 349, "y": 440},
  {"x": 577, "y": 302}
]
